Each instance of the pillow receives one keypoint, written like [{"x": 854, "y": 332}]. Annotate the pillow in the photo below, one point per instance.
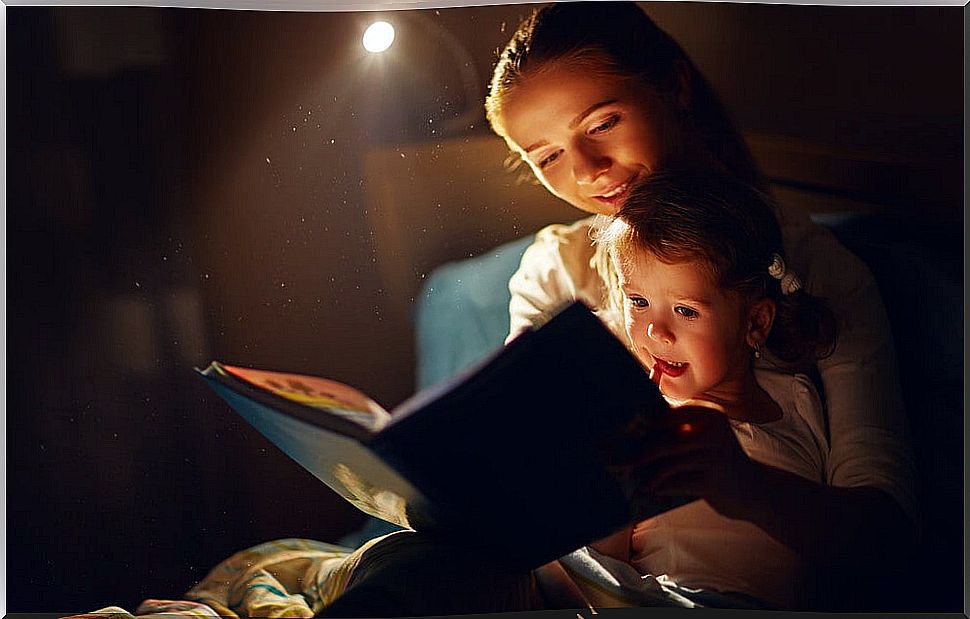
[{"x": 462, "y": 313}]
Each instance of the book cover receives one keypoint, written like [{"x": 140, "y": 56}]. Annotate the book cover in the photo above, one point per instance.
[{"x": 505, "y": 455}]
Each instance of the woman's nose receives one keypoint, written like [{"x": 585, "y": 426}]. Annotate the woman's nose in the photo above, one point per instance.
[
  {"x": 659, "y": 333},
  {"x": 589, "y": 164}
]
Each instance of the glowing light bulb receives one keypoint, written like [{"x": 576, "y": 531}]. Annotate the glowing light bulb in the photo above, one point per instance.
[{"x": 378, "y": 37}]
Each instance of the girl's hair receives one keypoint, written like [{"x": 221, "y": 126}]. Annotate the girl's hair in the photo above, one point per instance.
[
  {"x": 618, "y": 38},
  {"x": 731, "y": 227}
]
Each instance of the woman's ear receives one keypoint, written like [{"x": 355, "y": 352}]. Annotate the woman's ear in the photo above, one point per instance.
[{"x": 760, "y": 318}]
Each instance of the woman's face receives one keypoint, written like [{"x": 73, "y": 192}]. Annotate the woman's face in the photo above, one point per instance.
[{"x": 588, "y": 136}]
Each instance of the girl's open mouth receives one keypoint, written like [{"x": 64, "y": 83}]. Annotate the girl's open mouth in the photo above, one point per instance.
[{"x": 672, "y": 369}]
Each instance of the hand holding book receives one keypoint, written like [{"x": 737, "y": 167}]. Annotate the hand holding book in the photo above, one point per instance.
[{"x": 691, "y": 452}]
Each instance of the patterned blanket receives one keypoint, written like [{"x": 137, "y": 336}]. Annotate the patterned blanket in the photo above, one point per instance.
[
  {"x": 300, "y": 577},
  {"x": 282, "y": 578}
]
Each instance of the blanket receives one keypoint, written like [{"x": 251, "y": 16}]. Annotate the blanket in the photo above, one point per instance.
[
  {"x": 301, "y": 577},
  {"x": 281, "y": 578}
]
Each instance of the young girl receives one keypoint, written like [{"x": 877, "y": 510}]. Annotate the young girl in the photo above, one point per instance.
[
  {"x": 594, "y": 97},
  {"x": 704, "y": 291}
]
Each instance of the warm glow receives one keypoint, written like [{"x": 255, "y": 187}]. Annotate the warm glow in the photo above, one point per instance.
[{"x": 378, "y": 37}]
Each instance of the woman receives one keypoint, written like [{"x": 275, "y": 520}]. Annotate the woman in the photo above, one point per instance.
[{"x": 593, "y": 97}]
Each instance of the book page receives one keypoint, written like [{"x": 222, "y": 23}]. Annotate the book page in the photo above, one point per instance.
[
  {"x": 320, "y": 393},
  {"x": 343, "y": 463}
]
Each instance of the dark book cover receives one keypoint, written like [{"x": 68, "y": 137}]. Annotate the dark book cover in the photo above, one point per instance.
[{"x": 506, "y": 455}]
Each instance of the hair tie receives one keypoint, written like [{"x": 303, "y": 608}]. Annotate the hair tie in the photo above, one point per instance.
[{"x": 789, "y": 281}]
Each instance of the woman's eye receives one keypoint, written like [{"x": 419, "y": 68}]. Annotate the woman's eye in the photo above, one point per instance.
[
  {"x": 638, "y": 302},
  {"x": 548, "y": 159},
  {"x": 686, "y": 312},
  {"x": 606, "y": 125}
]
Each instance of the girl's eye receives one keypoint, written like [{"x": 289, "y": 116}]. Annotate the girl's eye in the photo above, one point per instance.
[
  {"x": 640, "y": 302},
  {"x": 606, "y": 125},
  {"x": 686, "y": 312},
  {"x": 548, "y": 159}
]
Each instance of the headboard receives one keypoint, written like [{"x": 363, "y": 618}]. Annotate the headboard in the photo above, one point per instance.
[{"x": 433, "y": 202}]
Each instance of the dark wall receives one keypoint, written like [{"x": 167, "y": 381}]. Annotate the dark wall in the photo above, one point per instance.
[{"x": 187, "y": 184}]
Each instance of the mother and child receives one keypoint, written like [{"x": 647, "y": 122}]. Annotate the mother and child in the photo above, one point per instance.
[
  {"x": 806, "y": 476},
  {"x": 804, "y": 472}
]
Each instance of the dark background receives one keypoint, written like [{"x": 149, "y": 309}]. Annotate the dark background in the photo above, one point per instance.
[{"x": 187, "y": 184}]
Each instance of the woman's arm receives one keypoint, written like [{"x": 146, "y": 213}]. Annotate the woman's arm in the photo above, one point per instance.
[
  {"x": 832, "y": 527},
  {"x": 616, "y": 545},
  {"x": 867, "y": 425},
  {"x": 554, "y": 270},
  {"x": 828, "y": 525},
  {"x": 858, "y": 540}
]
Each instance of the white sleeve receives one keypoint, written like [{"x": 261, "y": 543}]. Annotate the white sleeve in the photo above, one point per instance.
[
  {"x": 540, "y": 283},
  {"x": 557, "y": 268},
  {"x": 867, "y": 425}
]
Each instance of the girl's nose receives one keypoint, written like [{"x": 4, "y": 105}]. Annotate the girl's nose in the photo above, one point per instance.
[
  {"x": 659, "y": 333},
  {"x": 589, "y": 164}
]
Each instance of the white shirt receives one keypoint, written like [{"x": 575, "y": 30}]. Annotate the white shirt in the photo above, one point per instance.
[
  {"x": 696, "y": 547},
  {"x": 865, "y": 420}
]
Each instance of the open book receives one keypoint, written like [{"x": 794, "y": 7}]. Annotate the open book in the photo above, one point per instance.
[{"x": 503, "y": 456}]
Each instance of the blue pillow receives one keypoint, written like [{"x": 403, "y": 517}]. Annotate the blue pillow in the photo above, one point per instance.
[{"x": 462, "y": 313}]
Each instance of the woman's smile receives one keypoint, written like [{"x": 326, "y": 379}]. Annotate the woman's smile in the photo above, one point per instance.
[
  {"x": 588, "y": 137},
  {"x": 616, "y": 195}
]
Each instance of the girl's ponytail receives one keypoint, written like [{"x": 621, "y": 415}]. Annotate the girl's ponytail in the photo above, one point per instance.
[{"x": 804, "y": 328}]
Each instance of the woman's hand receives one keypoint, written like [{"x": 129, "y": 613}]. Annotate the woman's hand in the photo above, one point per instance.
[{"x": 692, "y": 452}]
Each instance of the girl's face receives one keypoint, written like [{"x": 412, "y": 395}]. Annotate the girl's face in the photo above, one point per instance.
[
  {"x": 682, "y": 324},
  {"x": 588, "y": 136}
]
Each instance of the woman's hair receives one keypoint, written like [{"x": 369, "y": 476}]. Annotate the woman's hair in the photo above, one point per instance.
[
  {"x": 731, "y": 227},
  {"x": 618, "y": 38}
]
